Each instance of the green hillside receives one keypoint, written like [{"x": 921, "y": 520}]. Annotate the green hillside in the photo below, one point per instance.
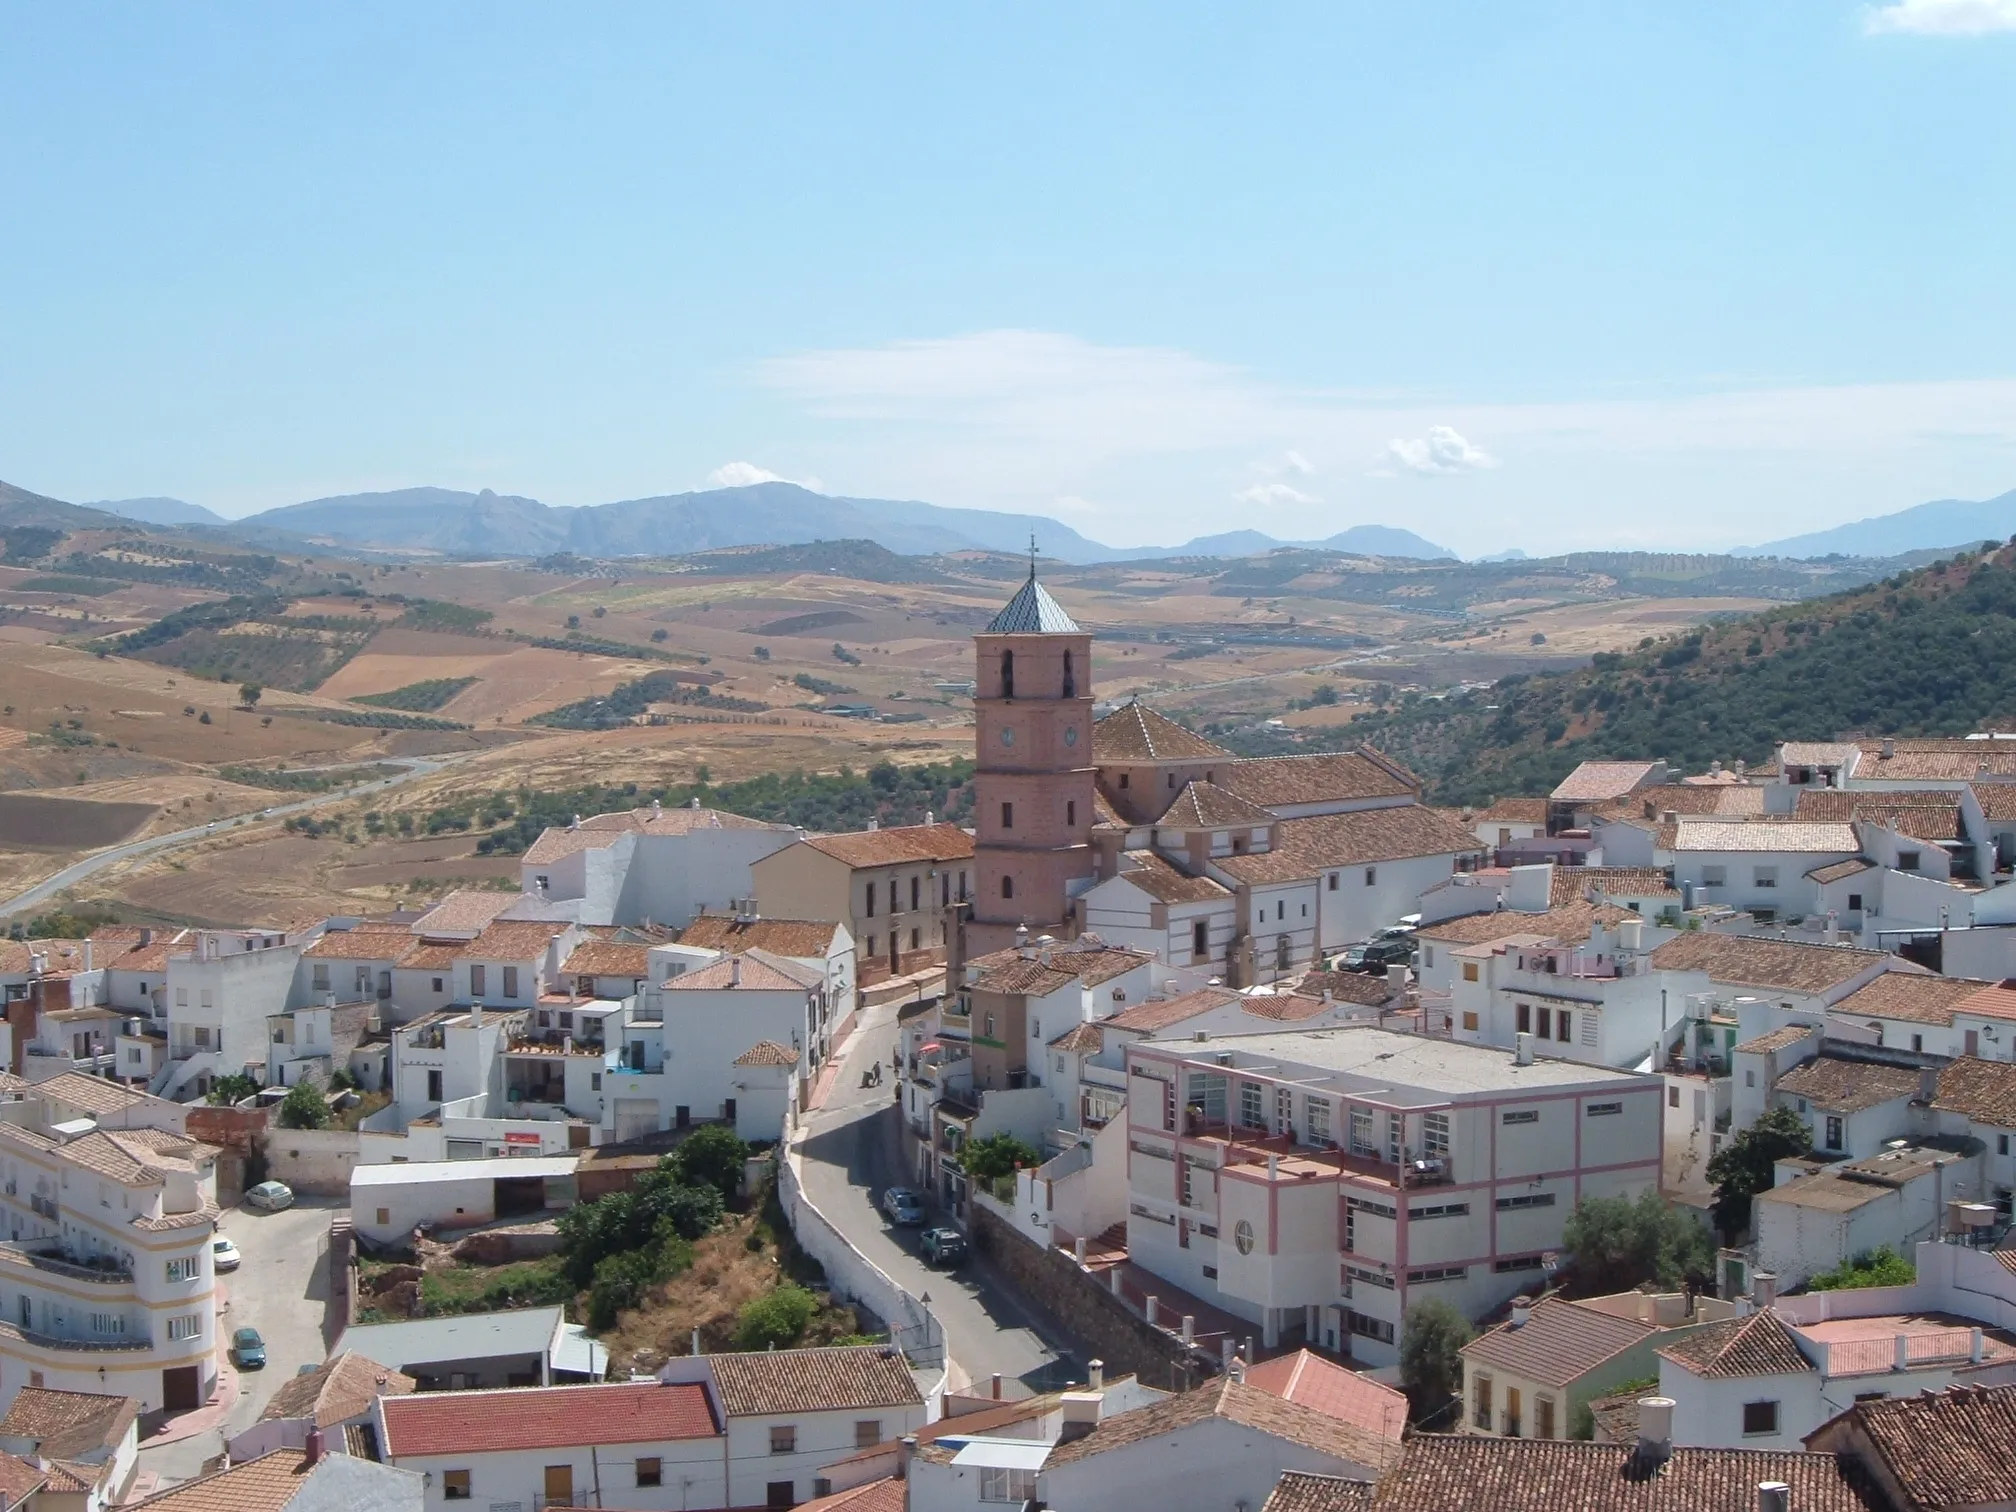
[{"x": 1929, "y": 652}]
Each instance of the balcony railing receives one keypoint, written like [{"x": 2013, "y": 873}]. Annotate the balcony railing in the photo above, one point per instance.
[
  {"x": 57, "y": 1263},
  {"x": 117, "y": 1345}
]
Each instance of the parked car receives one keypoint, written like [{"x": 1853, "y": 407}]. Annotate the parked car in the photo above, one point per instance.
[
  {"x": 904, "y": 1206},
  {"x": 224, "y": 1254},
  {"x": 942, "y": 1246},
  {"x": 248, "y": 1350},
  {"x": 270, "y": 1195},
  {"x": 1377, "y": 955}
]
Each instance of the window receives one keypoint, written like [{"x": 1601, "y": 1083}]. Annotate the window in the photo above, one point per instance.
[
  {"x": 1469, "y": 971},
  {"x": 1522, "y": 1018},
  {"x": 1714, "y": 876},
  {"x": 439, "y": 985},
  {"x": 455, "y": 1485},
  {"x": 1520, "y": 1116},
  {"x": 870, "y": 913},
  {"x": 785, "y": 1493},
  {"x": 784, "y": 1440},
  {"x": 1907, "y": 860},
  {"x": 1007, "y": 887},
  {"x": 1854, "y": 902},
  {"x": 108, "y": 1323},
  {"x": 1284, "y": 1111},
  {"x": 1318, "y": 1112},
  {"x": 1673, "y": 1098},
  {"x": 916, "y": 939},
  {"x": 1000, "y": 1485},
  {"x": 1609, "y": 1109},
  {"x": 915, "y": 884},
  {"x": 1381, "y": 1279},
  {"x": 1917, "y": 1044},
  {"x": 595, "y": 1081},
  {"x": 476, "y": 981},
  {"x": 1396, "y": 1137},
  {"x": 1370, "y": 1328},
  {"x": 510, "y": 981},
  {"x": 1562, "y": 1019},
  {"x": 1545, "y": 1016},
  {"x": 1333, "y": 882},
  {"x": 1251, "y": 1105},
  {"x": 321, "y": 984},
  {"x": 867, "y": 1433},
  {"x": 202, "y": 1037},
  {"x": 1526, "y": 1200},
  {"x": 1007, "y": 691},
  {"x": 1435, "y": 1133},
  {"x": 2001, "y": 1144},
  {"x": 188, "y": 1326},
  {"x": 1123, "y": 780},
  {"x": 1434, "y": 1273},
  {"x": 1543, "y": 1417},
  {"x": 1361, "y": 1133},
  {"x": 184, "y": 1268},
  {"x": 1833, "y": 1132},
  {"x": 1371, "y": 876},
  {"x": 1519, "y": 1263},
  {"x": 1482, "y": 1416},
  {"x": 871, "y": 945},
  {"x": 1470, "y": 1021},
  {"x": 1007, "y": 816},
  {"x": 1760, "y": 1417},
  {"x": 1764, "y": 876},
  {"x": 1200, "y": 939},
  {"x": 1440, "y": 1210},
  {"x": 650, "y": 1470},
  {"x": 1371, "y": 1205},
  {"x": 1070, "y": 813}
]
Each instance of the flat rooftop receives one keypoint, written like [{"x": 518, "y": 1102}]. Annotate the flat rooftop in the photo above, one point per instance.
[
  {"x": 1375, "y": 1057},
  {"x": 421, "y": 1172}
]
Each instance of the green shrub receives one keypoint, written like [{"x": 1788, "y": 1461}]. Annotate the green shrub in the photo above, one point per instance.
[
  {"x": 712, "y": 1157},
  {"x": 303, "y": 1107},
  {"x": 1878, "y": 1267},
  {"x": 776, "y": 1321}
]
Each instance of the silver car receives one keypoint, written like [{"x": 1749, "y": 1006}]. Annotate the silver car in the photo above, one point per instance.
[{"x": 272, "y": 1196}]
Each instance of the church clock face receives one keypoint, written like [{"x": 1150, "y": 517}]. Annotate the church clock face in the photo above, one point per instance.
[
  {"x": 1070, "y": 735},
  {"x": 1008, "y": 735}
]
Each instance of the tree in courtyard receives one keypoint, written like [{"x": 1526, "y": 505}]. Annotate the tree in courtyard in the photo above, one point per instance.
[
  {"x": 304, "y": 1107},
  {"x": 1619, "y": 1243},
  {"x": 1432, "y": 1337},
  {"x": 231, "y": 1087},
  {"x": 1743, "y": 1168}
]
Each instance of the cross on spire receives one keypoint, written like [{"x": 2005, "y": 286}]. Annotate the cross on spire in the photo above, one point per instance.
[{"x": 1032, "y": 556}]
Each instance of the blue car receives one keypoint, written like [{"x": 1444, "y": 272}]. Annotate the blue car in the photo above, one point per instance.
[{"x": 248, "y": 1350}]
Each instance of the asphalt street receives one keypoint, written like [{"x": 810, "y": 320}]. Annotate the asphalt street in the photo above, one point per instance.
[
  {"x": 77, "y": 871},
  {"x": 853, "y": 1153}
]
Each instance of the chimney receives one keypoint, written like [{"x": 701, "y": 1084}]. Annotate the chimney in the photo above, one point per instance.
[
  {"x": 87, "y": 955},
  {"x": 1774, "y": 1496},
  {"x": 476, "y": 1014},
  {"x": 1238, "y": 1368},
  {"x": 903, "y": 1460},
  {"x": 315, "y": 1449},
  {"x": 735, "y": 971},
  {"x": 1763, "y": 1289},
  {"x": 994, "y": 1386},
  {"x": 657, "y": 809},
  {"x": 1889, "y": 748},
  {"x": 696, "y": 1341},
  {"x": 1655, "y": 1430},
  {"x": 576, "y": 824},
  {"x": 1396, "y": 979},
  {"x": 1095, "y": 1370},
  {"x": 1974, "y": 1346},
  {"x": 1081, "y": 1415},
  {"x": 1522, "y": 1054},
  {"x": 1522, "y": 1311},
  {"x": 146, "y": 937}
]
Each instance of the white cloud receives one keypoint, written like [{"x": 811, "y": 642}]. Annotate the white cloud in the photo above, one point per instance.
[
  {"x": 1274, "y": 493},
  {"x": 743, "y": 474},
  {"x": 1299, "y": 463},
  {"x": 1943, "y": 18},
  {"x": 1441, "y": 450}
]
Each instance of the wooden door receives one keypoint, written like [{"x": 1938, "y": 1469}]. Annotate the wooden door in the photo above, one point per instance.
[
  {"x": 1512, "y": 1424},
  {"x": 181, "y": 1389},
  {"x": 559, "y": 1485}
]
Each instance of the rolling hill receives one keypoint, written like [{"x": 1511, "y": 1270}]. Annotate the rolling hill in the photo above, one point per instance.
[
  {"x": 1939, "y": 526},
  {"x": 160, "y": 511},
  {"x": 1927, "y": 652}
]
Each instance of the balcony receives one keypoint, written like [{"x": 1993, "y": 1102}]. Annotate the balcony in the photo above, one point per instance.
[
  {"x": 57, "y": 1262},
  {"x": 81, "y": 1346}
]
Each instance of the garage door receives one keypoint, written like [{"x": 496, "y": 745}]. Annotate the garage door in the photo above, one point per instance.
[
  {"x": 636, "y": 1117},
  {"x": 181, "y": 1389}
]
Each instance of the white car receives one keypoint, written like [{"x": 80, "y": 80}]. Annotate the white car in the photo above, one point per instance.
[
  {"x": 224, "y": 1254},
  {"x": 270, "y": 1195}
]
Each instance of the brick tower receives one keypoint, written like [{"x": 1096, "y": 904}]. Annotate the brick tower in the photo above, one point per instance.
[{"x": 1032, "y": 705}]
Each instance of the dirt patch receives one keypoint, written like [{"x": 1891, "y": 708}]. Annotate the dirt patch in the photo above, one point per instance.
[{"x": 32, "y": 821}]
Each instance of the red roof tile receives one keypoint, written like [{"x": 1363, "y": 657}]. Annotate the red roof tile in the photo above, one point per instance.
[{"x": 551, "y": 1417}]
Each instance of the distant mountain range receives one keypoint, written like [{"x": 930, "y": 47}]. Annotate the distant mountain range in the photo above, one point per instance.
[
  {"x": 1925, "y": 527},
  {"x": 493, "y": 524}
]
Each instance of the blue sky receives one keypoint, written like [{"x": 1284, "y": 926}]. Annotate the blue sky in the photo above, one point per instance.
[{"x": 1538, "y": 275}]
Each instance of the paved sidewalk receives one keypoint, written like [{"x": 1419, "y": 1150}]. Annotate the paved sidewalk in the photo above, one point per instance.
[{"x": 199, "y": 1419}]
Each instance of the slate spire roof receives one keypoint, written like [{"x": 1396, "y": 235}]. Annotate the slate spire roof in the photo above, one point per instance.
[{"x": 1032, "y": 612}]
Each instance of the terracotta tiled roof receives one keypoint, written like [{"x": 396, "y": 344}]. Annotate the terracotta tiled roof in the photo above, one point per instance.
[
  {"x": 1038, "y": 978},
  {"x": 431, "y": 1423},
  {"x": 1661, "y": 799},
  {"x": 1840, "y": 1086},
  {"x": 1558, "y": 1344},
  {"x": 1840, "y": 871},
  {"x": 1311, "y": 1381},
  {"x": 1446, "y": 1472},
  {"x": 1205, "y": 805},
  {"x": 1080, "y": 1039},
  {"x": 1997, "y": 1000},
  {"x": 1135, "y": 732},
  {"x": 1308, "y": 847},
  {"x": 127, "y": 1162},
  {"x": 1760, "y": 1344},
  {"x": 1936, "y": 760},
  {"x": 1756, "y": 962},
  {"x": 884, "y": 1495},
  {"x": 464, "y": 911},
  {"x": 1941, "y": 1448},
  {"x": 898, "y": 844},
  {"x": 1154, "y": 875},
  {"x": 1327, "y": 777},
  {"x": 751, "y": 971},
  {"x": 1572, "y": 884},
  {"x": 1303, "y": 1491},
  {"x": 360, "y": 945},
  {"x": 1779, "y": 1039},
  {"x": 1817, "y": 752},
  {"x": 342, "y": 1388},
  {"x": 69, "y": 1424},
  {"x": 19, "y": 1480},
  {"x": 608, "y": 958},
  {"x": 767, "y": 1053},
  {"x": 1514, "y": 811},
  {"x": 1284, "y": 1007},
  {"x": 94, "y": 1094},
  {"x": 558, "y": 842},
  {"x": 1921, "y": 998},
  {"x": 430, "y": 956},
  {"x": 1596, "y": 781},
  {"x": 1366, "y": 988},
  {"x": 1146, "y": 1018},
  {"x": 1569, "y": 923},
  {"x": 265, "y": 1484},
  {"x": 1983, "y": 1090},
  {"x": 520, "y": 941},
  {"x": 813, "y": 1380},
  {"x": 1616, "y": 1418},
  {"x": 806, "y": 938},
  {"x": 1997, "y": 800},
  {"x": 1788, "y": 836},
  {"x": 1234, "y": 1401}
]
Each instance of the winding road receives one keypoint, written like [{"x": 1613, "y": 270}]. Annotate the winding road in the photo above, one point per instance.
[{"x": 77, "y": 871}]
